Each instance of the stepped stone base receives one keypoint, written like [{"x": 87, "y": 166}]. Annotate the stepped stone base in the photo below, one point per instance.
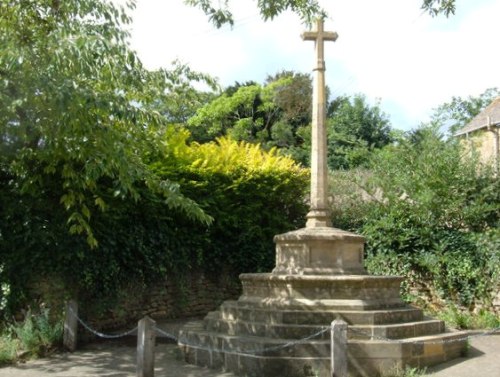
[
  {"x": 245, "y": 336},
  {"x": 279, "y": 325}
]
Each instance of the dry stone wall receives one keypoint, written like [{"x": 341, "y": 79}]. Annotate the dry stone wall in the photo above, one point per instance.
[
  {"x": 190, "y": 295},
  {"x": 193, "y": 295}
]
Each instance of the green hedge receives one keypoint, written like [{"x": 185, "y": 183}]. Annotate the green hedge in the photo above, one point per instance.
[
  {"x": 430, "y": 212},
  {"x": 250, "y": 194}
]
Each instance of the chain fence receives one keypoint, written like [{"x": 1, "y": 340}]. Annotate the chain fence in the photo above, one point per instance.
[
  {"x": 320, "y": 330},
  {"x": 100, "y": 334},
  {"x": 255, "y": 352},
  {"x": 452, "y": 339},
  {"x": 184, "y": 342}
]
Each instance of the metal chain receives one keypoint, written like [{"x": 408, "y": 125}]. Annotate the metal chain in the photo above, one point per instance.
[
  {"x": 281, "y": 346},
  {"x": 166, "y": 334},
  {"x": 290, "y": 344},
  {"x": 100, "y": 334},
  {"x": 260, "y": 351},
  {"x": 467, "y": 337}
]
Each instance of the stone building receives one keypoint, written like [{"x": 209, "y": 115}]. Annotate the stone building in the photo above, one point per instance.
[{"x": 481, "y": 134}]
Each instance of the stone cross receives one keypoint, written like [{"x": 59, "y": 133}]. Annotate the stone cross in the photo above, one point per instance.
[{"x": 319, "y": 213}]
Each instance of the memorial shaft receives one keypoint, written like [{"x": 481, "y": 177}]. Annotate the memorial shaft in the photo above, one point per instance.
[{"x": 319, "y": 213}]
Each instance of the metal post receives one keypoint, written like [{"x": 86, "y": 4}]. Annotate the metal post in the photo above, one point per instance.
[
  {"x": 146, "y": 335},
  {"x": 338, "y": 347},
  {"x": 70, "y": 331}
]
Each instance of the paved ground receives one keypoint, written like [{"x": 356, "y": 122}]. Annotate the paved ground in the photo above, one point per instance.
[
  {"x": 117, "y": 359},
  {"x": 108, "y": 360},
  {"x": 483, "y": 360}
]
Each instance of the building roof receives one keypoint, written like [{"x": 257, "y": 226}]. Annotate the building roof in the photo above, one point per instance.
[{"x": 490, "y": 116}]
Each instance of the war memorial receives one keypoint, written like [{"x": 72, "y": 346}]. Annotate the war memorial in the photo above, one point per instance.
[{"x": 276, "y": 327}]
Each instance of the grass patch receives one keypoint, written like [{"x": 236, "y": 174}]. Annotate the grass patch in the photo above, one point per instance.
[
  {"x": 405, "y": 372},
  {"x": 36, "y": 336},
  {"x": 8, "y": 350},
  {"x": 465, "y": 320}
]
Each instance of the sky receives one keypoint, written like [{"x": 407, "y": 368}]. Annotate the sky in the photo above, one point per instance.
[{"x": 388, "y": 50}]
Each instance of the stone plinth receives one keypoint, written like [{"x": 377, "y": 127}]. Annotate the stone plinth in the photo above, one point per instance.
[
  {"x": 356, "y": 292},
  {"x": 319, "y": 277},
  {"x": 261, "y": 334},
  {"x": 319, "y": 251}
]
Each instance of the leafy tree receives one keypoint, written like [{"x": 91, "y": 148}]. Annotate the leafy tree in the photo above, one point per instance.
[
  {"x": 355, "y": 129},
  {"x": 219, "y": 13},
  {"x": 236, "y": 111},
  {"x": 460, "y": 111},
  {"x": 434, "y": 217},
  {"x": 176, "y": 98},
  {"x": 276, "y": 114},
  {"x": 144, "y": 241},
  {"x": 435, "y": 7},
  {"x": 75, "y": 109},
  {"x": 88, "y": 147},
  {"x": 294, "y": 98}
]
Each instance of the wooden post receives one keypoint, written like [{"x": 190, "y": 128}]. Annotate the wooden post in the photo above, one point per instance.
[
  {"x": 338, "y": 347},
  {"x": 146, "y": 335},
  {"x": 70, "y": 330}
]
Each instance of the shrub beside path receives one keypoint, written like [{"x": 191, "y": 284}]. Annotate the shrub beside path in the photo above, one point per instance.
[{"x": 117, "y": 359}]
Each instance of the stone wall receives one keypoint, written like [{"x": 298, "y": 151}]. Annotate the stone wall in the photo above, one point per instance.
[
  {"x": 190, "y": 295},
  {"x": 193, "y": 295},
  {"x": 484, "y": 143}
]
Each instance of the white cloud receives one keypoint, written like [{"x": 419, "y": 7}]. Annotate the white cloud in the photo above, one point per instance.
[{"x": 387, "y": 49}]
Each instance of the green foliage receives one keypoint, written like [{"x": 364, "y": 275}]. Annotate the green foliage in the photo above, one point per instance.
[
  {"x": 8, "y": 349},
  {"x": 35, "y": 336},
  {"x": 238, "y": 109},
  {"x": 461, "y": 319},
  {"x": 436, "y": 7},
  {"x": 459, "y": 111},
  {"x": 220, "y": 14},
  {"x": 277, "y": 114},
  {"x": 429, "y": 214},
  {"x": 251, "y": 195},
  {"x": 349, "y": 200},
  {"x": 355, "y": 129},
  {"x": 176, "y": 99},
  {"x": 76, "y": 110},
  {"x": 233, "y": 180},
  {"x": 405, "y": 372},
  {"x": 437, "y": 219},
  {"x": 91, "y": 171}
]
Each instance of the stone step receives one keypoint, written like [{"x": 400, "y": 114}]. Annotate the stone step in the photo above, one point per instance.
[
  {"x": 246, "y": 365},
  {"x": 261, "y": 329},
  {"x": 214, "y": 322},
  {"x": 232, "y": 310},
  {"x": 300, "y": 303},
  {"x": 446, "y": 344},
  {"x": 199, "y": 337},
  {"x": 397, "y": 331}
]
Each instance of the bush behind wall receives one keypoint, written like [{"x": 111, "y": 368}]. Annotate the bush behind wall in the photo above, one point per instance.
[
  {"x": 429, "y": 213},
  {"x": 250, "y": 194}
]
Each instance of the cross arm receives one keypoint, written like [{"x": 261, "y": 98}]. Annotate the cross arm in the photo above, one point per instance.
[{"x": 314, "y": 35}]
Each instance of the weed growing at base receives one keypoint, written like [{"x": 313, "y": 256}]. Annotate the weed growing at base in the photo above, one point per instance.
[{"x": 36, "y": 336}]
